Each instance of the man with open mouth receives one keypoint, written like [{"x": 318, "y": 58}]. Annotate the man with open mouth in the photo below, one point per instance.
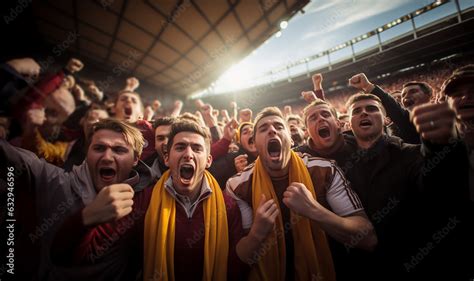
[
  {"x": 234, "y": 162},
  {"x": 94, "y": 212},
  {"x": 191, "y": 223},
  {"x": 288, "y": 205},
  {"x": 129, "y": 108}
]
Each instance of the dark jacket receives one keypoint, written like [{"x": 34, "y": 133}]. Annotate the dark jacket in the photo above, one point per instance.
[
  {"x": 402, "y": 188},
  {"x": 400, "y": 117},
  {"x": 223, "y": 168},
  {"x": 44, "y": 195}
]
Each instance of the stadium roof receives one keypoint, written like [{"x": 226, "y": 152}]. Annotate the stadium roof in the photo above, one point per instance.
[{"x": 178, "y": 46}]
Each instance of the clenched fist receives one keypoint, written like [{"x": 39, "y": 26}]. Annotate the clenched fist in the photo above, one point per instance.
[
  {"x": 299, "y": 199},
  {"x": 308, "y": 96},
  {"x": 317, "y": 81},
  {"x": 360, "y": 81},
  {"x": 132, "y": 84},
  {"x": 27, "y": 67},
  {"x": 265, "y": 217},
  {"x": 434, "y": 122},
  {"x": 240, "y": 162},
  {"x": 74, "y": 65},
  {"x": 112, "y": 203},
  {"x": 245, "y": 115}
]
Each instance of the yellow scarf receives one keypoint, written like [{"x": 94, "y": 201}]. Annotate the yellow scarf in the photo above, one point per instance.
[
  {"x": 160, "y": 233},
  {"x": 313, "y": 260}
]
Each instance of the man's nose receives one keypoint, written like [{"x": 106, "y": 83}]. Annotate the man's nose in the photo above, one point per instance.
[
  {"x": 188, "y": 153},
  {"x": 107, "y": 155}
]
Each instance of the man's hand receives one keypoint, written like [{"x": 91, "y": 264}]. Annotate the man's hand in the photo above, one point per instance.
[
  {"x": 209, "y": 118},
  {"x": 199, "y": 104},
  {"x": 74, "y": 65},
  {"x": 287, "y": 110},
  {"x": 317, "y": 81},
  {"x": 265, "y": 218},
  {"x": 132, "y": 84},
  {"x": 360, "y": 81},
  {"x": 299, "y": 199},
  {"x": 78, "y": 93},
  {"x": 27, "y": 67},
  {"x": 96, "y": 94},
  {"x": 35, "y": 117},
  {"x": 230, "y": 129},
  {"x": 308, "y": 96},
  {"x": 156, "y": 104},
  {"x": 148, "y": 114},
  {"x": 112, "y": 203},
  {"x": 434, "y": 122},
  {"x": 240, "y": 162},
  {"x": 245, "y": 115},
  {"x": 225, "y": 115}
]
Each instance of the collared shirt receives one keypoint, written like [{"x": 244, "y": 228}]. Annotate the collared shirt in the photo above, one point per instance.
[{"x": 184, "y": 200}]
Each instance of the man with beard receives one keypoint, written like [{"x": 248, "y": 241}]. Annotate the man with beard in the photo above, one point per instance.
[
  {"x": 232, "y": 163},
  {"x": 399, "y": 187},
  {"x": 191, "y": 227},
  {"x": 162, "y": 128},
  {"x": 296, "y": 129},
  {"x": 108, "y": 183},
  {"x": 288, "y": 205}
]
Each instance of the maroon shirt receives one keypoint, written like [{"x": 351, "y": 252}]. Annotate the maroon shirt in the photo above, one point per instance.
[{"x": 189, "y": 243}]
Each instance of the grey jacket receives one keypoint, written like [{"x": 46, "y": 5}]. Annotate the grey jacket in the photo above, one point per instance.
[{"x": 44, "y": 195}]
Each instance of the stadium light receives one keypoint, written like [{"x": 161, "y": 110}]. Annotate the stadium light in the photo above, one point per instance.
[
  {"x": 283, "y": 24},
  {"x": 278, "y": 34}
]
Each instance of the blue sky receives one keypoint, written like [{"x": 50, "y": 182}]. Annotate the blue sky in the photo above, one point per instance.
[{"x": 326, "y": 24}]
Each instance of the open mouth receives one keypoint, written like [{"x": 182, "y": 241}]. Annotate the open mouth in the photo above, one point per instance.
[
  {"x": 274, "y": 148},
  {"x": 250, "y": 141},
  {"x": 324, "y": 132},
  {"x": 107, "y": 174},
  {"x": 365, "y": 123},
  {"x": 127, "y": 111},
  {"x": 186, "y": 172}
]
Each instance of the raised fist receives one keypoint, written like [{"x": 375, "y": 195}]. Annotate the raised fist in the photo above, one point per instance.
[
  {"x": 317, "y": 81},
  {"x": 132, "y": 84},
  {"x": 308, "y": 96},
  {"x": 27, "y": 67},
  {"x": 245, "y": 115},
  {"x": 74, "y": 65},
  {"x": 360, "y": 81}
]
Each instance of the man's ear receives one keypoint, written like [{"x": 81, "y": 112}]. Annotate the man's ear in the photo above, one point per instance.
[
  {"x": 209, "y": 161},
  {"x": 135, "y": 160},
  {"x": 166, "y": 158},
  {"x": 386, "y": 120}
]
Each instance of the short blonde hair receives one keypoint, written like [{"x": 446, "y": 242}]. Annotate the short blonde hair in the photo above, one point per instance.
[{"x": 132, "y": 135}]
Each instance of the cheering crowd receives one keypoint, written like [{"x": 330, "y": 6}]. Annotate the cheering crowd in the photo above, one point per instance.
[{"x": 109, "y": 188}]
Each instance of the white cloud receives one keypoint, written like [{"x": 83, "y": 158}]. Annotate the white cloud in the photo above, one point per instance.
[{"x": 346, "y": 13}]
